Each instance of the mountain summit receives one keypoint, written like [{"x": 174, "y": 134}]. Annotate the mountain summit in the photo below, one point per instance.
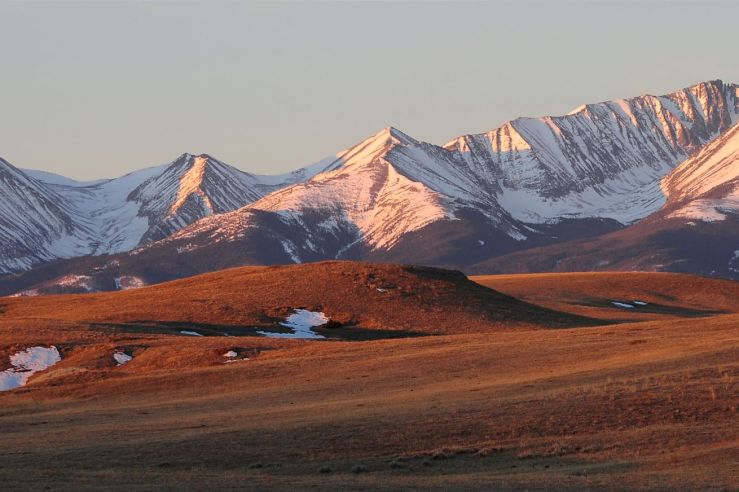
[
  {"x": 190, "y": 188},
  {"x": 48, "y": 217},
  {"x": 529, "y": 183}
]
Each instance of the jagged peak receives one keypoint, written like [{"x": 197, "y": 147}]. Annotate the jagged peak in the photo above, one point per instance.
[
  {"x": 578, "y": 109},
  {"x": 461, "y": 142},
  {"x": 716, "y": 83},
  {"x": 182, "y": 158},
  {"x": 189, "y": 157},
  {"x": 186, "y": 162},
  {"x": 375, "y": 146},
  {"x": 392, "y": 134}
]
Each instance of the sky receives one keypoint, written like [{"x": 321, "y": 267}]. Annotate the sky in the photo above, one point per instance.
[{"x": 93, "y": 90}]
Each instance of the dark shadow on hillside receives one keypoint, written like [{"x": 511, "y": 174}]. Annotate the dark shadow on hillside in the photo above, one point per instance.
[
  {"x": 348, "y": 333},
  {"x": 649, "y": 308}
]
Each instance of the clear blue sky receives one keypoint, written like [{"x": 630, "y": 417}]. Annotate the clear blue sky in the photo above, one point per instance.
[{"x": 94, "y": 90}]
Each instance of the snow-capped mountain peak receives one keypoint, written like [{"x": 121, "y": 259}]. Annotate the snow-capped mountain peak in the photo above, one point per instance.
[
  {"x": 502, "y": 190},
  {"x": 601, "y": 160},
  {"x": 377, "y": 145},
  {"x": 191, "y": 182},
  {"x": 369, "y": 189},
  {"x": 190, "y": 188},
  {"x": 118, "y": 214}
]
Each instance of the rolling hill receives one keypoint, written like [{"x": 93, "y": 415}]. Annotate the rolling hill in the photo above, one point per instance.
[
  {"x": 374, "y": 297},
  {"x": 450, "y": 401}
]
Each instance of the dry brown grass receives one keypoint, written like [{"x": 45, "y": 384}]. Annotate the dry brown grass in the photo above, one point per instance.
[
  {"x": 425, "y": 300},
  {"x": 649, "y": 405},
  {"x": 590, "y": 293}
]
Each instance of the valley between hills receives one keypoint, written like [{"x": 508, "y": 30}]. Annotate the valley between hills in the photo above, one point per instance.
[{"x": 416, "y": 378}]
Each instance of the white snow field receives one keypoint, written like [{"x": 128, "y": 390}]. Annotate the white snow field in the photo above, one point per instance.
[
  {"x": 622, "y": 305},
  {"x": 191, "y": 333},
  {"x": 25, "y": 364},
  {"x": 122, "y": 357},
  {"x": 302, "y": 323}
]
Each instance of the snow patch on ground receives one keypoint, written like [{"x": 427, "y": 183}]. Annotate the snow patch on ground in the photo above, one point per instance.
[
  {"x": 301, "y": 322},
  {"x": 122, "y": 357},
  {"x": 25, "y": 364},
  {"x": 232, "y": 356},
  {"x": 622, "y": 305}
]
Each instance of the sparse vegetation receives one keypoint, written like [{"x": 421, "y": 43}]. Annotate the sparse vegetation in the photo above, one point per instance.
[{"x": 523, "y": 408}]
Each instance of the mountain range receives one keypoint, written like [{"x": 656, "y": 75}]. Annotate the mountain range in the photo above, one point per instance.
[{"x": 648, "y": 182}]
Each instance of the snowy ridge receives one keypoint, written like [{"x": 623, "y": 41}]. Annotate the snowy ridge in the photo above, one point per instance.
[
  {"x": 373, "y": 195},
  {"x": 601, "y": 161},
  {"x": 44, "y": 216},
  {"x": 190, "y": 183},
  {"x": 706, "y": 187},
  {"x": 362, "y": 192},
  {"x": 367, "y": 191},
  {"x": 32, "y": 213},
  {"x": 604, "y": 160},
  {"x": 191, "y": 188}
]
